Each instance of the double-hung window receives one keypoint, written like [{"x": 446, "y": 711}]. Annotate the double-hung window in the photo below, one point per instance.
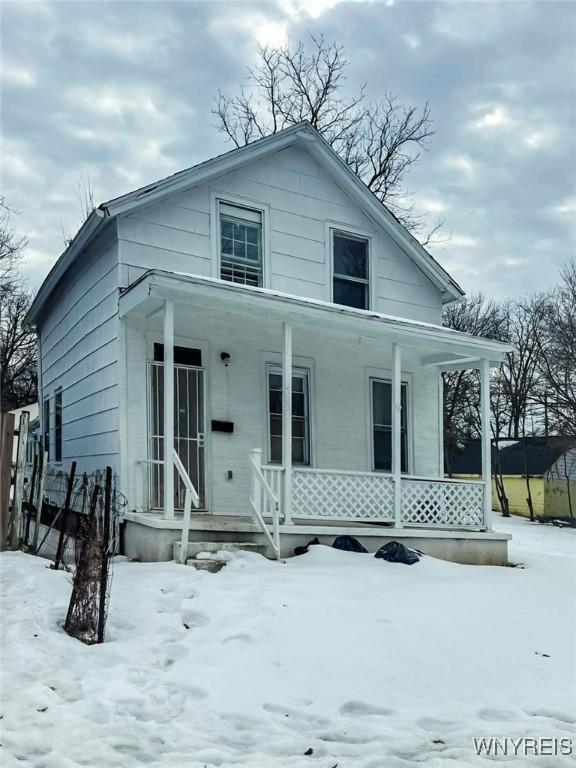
[
  {"x": 46, "y": 424},
  {"x": 351, "y": 270},
  {"x": 300, "y": 415},
  {"x": 58, "y": 425},
  {"x": 381, "y": 392},
  {"x": 240, "y": 245}
]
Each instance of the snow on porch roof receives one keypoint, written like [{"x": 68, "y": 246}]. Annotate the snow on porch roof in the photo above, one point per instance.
[
  {"x": 155, "y": 286},
  {"x": 302, "y": 134}
]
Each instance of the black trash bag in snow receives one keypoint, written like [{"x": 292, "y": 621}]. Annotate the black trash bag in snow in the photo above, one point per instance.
[
  {"x": 303, "y": 549},
  {"x": 349, "y": 544},
  {"x": 394, "y": 552}
]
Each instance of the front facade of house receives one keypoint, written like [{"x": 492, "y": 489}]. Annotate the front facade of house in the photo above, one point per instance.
[{"x": 265, "y": 278}]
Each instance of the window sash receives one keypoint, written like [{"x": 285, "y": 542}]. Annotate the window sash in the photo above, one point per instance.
[
  {"x": 343, "y": 277},
  {"x": 386, "y": 427},
  {"x": 300, "y": 421},
  {"x": 58, "y": 425},
  {"x": 240, "y": 243}
]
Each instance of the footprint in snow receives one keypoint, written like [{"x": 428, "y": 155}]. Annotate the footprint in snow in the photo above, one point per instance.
[
  {"x": 552, "y": 714},
  {"x": 495, "y": 715},
  {"x": 169, "y": 654},
  {"x": 361, "y": 708},
  {"x": 194, "y": 619},
  {"x": 434, "y": 724},
  {"x": 168, "y": 605},
  {"x": 295, "y": 718},
  {"x": 242, "y": 637}
]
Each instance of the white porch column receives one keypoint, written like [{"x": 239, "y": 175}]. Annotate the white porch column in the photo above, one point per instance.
[
  {"x": 168, "y": 409},
  {"x": 486, "y": 443},
  {"x": 397, "y": 432},
  {"x": 440, "y": 424},
  {"x": 287, "y": 419}
]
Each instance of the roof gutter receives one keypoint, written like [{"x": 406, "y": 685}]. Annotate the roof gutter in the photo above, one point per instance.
[{"x": 87, "y": 231}]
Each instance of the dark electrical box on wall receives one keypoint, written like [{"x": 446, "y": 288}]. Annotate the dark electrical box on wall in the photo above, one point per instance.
[{"x": 222, "y": 426}]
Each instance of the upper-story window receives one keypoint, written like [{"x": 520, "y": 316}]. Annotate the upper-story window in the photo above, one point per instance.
[
  {"x": 351, "y": 270},
  {"x": 240, "y": 245}
]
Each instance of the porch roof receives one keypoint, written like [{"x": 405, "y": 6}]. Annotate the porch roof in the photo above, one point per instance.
[{"x": 447, "y": 347}]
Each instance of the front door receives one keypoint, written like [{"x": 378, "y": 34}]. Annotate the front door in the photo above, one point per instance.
[{"x": 188, "y": 431}]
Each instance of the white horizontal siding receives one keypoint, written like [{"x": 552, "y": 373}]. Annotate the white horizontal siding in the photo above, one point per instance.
[
  {"x": 301, "y": 199},
  {"x": 80, "y": 355}
]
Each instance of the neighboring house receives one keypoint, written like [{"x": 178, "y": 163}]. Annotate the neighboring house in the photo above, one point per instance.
[
  {"x": 189, "y": 312},
  {"x": 549, "y": 463},
  {"x": 33, "y": 424}
]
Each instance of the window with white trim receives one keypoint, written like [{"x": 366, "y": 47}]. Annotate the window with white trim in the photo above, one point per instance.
[
  {"x": 46, "y": 424},
  {"x": 300, "y": 415},
  {"x": 351, "y": 270},
  {"x": 58, "y": 425},
  {"x": 381, "y": 393},
  {"x": 240, "y": 245}
]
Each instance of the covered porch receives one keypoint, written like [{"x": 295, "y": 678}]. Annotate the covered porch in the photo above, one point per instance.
[{"x": 283, "y": 499}]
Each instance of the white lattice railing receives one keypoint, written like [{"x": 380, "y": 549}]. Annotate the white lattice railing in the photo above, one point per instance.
[
  {"x": 341, "y": 495},
  {"x": 442, "y": 503},
  {"x": 348, "y": 496}
]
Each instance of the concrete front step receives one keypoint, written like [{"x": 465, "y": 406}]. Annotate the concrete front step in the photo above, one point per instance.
[
  {"x": 212, "y": 566},
  {"x": 197, "y": 547}
]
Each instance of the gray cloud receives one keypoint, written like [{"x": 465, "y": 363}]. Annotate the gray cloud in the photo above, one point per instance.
[{"x": 122, "y": 91}]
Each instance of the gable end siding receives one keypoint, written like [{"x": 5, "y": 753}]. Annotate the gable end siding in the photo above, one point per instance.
[
  {"x": 302, "y": 204},
  {"x": 79, "y": 353}
]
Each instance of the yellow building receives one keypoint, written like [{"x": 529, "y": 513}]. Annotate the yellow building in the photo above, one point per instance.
[{"x": 549, "y": 463}]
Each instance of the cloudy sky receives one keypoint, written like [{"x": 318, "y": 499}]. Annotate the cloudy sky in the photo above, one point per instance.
[{"x": 122, "y": 93}]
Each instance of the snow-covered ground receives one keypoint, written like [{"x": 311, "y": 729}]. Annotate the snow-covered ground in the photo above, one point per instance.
[{"x": 366, "y": 663}]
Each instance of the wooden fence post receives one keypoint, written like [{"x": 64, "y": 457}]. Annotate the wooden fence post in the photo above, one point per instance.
[
  {"x": 30, "y": 503},
  {"x": 105, "y": 547},
  {"x": 40, "y": 498},
  {"x": 59, "y": 549},
  {"x": 6, "y": 443}
]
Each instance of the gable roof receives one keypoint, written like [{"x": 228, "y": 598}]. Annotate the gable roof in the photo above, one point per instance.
[
  {"x": 536, "y": 453},
  {"x": 300, "y": 134}
]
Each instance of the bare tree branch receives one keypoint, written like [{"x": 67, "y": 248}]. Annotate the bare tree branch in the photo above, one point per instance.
[{"x": 380, "y": 141}]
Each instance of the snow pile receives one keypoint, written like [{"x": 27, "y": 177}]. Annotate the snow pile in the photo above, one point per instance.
[{"x": 333, "y": 658}]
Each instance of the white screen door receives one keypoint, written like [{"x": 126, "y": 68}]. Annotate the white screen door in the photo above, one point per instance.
[{"x": 188, "y": 431}]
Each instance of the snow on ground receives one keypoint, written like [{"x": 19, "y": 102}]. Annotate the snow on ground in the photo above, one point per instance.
[{"x": 369, "y": 664}]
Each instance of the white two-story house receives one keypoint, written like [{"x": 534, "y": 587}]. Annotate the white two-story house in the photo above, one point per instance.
[{"x": 255, "y": 346}]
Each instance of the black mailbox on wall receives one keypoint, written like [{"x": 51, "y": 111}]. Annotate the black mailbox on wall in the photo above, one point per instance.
[{"x": 222, "y": 426}]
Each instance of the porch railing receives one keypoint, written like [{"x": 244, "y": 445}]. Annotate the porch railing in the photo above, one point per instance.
[
  {"x": 442, "y": 503},
  {"x": 342, "y": 495},
  {"x": 346, "y": 496},
  {"x": 191, "y": 496},
  {"x": 265, "y": 499}
]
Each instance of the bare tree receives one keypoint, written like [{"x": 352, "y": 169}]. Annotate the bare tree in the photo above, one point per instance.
[
  {"x": 481, "y": 317},
  {"x": 85, "y": 193},
  {"x": 11, "y": 248},
  {"x": 18, "y": 352},
  {"x": 380, "y": 140},
  {"x": 519, "y": 375},
  {"x": 557, "y": 358}
]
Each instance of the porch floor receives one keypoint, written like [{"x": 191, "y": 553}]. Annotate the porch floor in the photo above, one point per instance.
[{"x": 150, "y": 536}]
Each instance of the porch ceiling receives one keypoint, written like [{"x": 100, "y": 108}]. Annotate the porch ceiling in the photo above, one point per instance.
[{"x": 438, "y": 346}]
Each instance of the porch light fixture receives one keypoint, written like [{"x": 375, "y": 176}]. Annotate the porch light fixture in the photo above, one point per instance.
[{"x": 225, "y": 357}]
